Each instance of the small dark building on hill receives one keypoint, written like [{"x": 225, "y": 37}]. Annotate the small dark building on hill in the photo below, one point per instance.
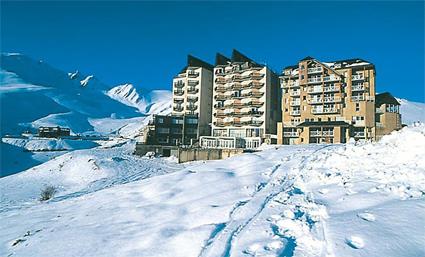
[
  {"x": 53, "y": 132},
  {"x": 172, "y": 130}
]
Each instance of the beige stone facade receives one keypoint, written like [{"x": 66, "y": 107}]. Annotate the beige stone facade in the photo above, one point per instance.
[
  {"x": 327, "y": 102},
  {"x": 387, "y": 115},
  {"x": 245, "y": 104},
  {"x": 192, "y": 93}
]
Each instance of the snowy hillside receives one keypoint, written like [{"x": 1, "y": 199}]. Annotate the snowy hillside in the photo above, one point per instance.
[
  {"x": 411, "y": 111},
  {"x": 306, "y": 200},
  {"x": 155, "y": 102},
  {"x": 34, "y": 94}
]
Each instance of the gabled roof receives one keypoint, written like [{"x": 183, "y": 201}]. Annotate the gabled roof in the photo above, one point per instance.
[
  {"x": 323, "y": 124},
  {"x": 239, "y": 57},
  {"x": 385, "y": 98},
  {"x": 307, "y": 58},
  {"x": 221, "y": 59},
  {"x": 193, "y": 61},
  {"x": 291, "y": 67}
]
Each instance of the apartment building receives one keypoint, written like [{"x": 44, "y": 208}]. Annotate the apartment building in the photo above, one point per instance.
[
  {"x": 192, "y": 93},
  {"x": 245, "y": 107},
  {"x": 171, "y": 130},
  {"x": 387, "y": 114},
  {"x": 327, "y": 102}
]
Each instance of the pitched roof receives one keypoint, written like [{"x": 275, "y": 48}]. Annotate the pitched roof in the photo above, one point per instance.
[
  {"x": 307, "y": 58},
  {"x": 323, "y": 124},
  {"x": 385, "y": 98},
  {"x": 239, "y": 57},
  {"x": 221, "y": 59},
  {"x": 193, "y": 61}
]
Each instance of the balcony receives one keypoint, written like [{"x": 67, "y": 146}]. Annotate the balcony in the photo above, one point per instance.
[
  {"x": 331, "y": 89},
  {"x": 192, "y": 90},
  {"x": 295, "y": 112},
  {"x": 290, "y": 134},
  {"x": 251, "y": 121},
  {"x": 314, "y": 80},
  {"x": 357, "y": 77},
  {"x": 295, "y": 93},
  {"x": 359, "y": 134},
  {"x": 358, "y": 87},
  {"x": 324, "y": 133},
  {"x": 256, "y": 75},
  {"x": 179, "y": 84},
  {"x": 315, "y": 100},
  {"x": 330, "y": 78},
  {"x": 379, "y": 111},
  {"x": 220, "y": 114},
  {"x": 192, "y": 99},
  {"x": 220, "y": 80},
  {"x": 178, "y": 100},
  {"x": 236, "y": 86},
  {"x": 335, "y": 99},
  {"x": 220, "y": 89},
  {"x": 324, "y": 110},
  {"x": 192, "y": 74},
  {"x": 315, "y": 90},
  {"x": 178, "y": 92},
  {"x": 178, "y": 108},
  {"x": 193, "y": 83},
  {"x": 295, "y": 103},
  {"x": 314, "y": 70},
  {"x": 357, "y": 98},
  {"x": 254, "y": 84},
  {"x": 191, "y": 107}
]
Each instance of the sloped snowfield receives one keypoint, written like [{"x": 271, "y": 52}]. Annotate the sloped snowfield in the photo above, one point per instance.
[{"x": 314, "y": 200}]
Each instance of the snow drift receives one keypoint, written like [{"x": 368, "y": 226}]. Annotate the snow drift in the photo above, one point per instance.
[{"x": 307, "y": 200}]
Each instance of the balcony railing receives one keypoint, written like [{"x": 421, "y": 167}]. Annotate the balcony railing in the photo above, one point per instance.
[
  {"x": 325, "y": 133},
  {"x": 295, "y": 92},
  {"x": 220, "y": 80},
  {"x": 331, "y": 89},
  {"x": 314, "y": 70},
  {"x": 192, "y": 74},
  {"x": 191, "y": 107},
  {"x": 330, "y": 78},
  {"x": 193, "y": 83},
  {"x": 357, "y": 87},
  {"x": 324, "y": 110},
  {"x": 294, "y": 103},
  {"x": 314, "y": 80},
  {"x": 314, "y": 90},
  {"x": 179, "y": 84},
  {"x": 192, "y": 98},
  {"x": 192, "y": 90},
  {"x": 315, "y": 100},
  {"x": 295, "y": 112},
  {"x": 335, "y": 99},
  {"x": 359, "y": 134},
  {"x": 357, "y": 98},
  {"x": 290, "y": 134},
  {"x": 179, "y": 92},
  {"x": 178, "y": 108},
  {"x": 357, "y": 77}
]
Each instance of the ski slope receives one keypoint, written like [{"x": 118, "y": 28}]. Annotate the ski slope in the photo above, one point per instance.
[{"x": 307, "y": 200}]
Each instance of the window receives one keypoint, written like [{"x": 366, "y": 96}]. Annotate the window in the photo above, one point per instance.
[
  {"x": 176, "y": 130},
  {"x": 304, "y": 98},
  {"x": 192, "y": 121},
  {"x": 357, "y": 107},
  {"x": 160, "y": 120},
  {"x": 319, "y": 119},
  {"x": 191, "y": 131},
  {"x": 163, "y": 130},
  {"x": 302, "y": 76},
  {"x": 177, "y": 121}
]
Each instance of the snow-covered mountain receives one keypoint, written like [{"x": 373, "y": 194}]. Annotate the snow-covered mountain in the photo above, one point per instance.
[
  {"x": 346, "y": 200},
  {"x": 411, "y": 111},
  {"x": 33, "y": 94},
  {"x": 155, "y": 102}
]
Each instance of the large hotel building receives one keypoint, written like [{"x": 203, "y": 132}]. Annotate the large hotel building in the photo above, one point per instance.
[
  {"x": 328, "y": 102},
  {"x": 245, "y": 103}
]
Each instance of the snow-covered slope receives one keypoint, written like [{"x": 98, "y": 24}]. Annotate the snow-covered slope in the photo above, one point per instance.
[
  {"x": 411, "y": 111},
  {"x": 155, "y": 102},
  {"x": 34, "y": 94},
  {"x": 307, "y": 200}
]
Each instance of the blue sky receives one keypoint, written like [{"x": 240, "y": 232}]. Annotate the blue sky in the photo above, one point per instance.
[{"x": 146, "y": 43}]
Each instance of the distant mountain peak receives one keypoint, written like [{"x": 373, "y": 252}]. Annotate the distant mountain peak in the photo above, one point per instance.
[
  {"x": 72, "y": 75},
  {"x": 85, "y": 81}
]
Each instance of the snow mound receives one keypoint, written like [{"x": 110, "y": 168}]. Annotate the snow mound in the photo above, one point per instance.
[{"x": 305, "y": 200}]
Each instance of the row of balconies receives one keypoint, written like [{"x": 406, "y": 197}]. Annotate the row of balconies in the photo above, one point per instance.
[
  {"x": 320, "y": 89},
  {"x": 238, "y": 113},
  {"x": 358, "y": 87},
  {"x": 321, "y": 79},
  {"x": 179, "y": 107},
  {"x": 324, "y": 133},
  {"x": 234, "y": 86},
  {"x": 326, "y": 110},
  {"x": 319, "y": 100},
  {"x": 314, "y": 70},
  {"x": 244, "y": 121},
  {"x": 291, "y": 134}
]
